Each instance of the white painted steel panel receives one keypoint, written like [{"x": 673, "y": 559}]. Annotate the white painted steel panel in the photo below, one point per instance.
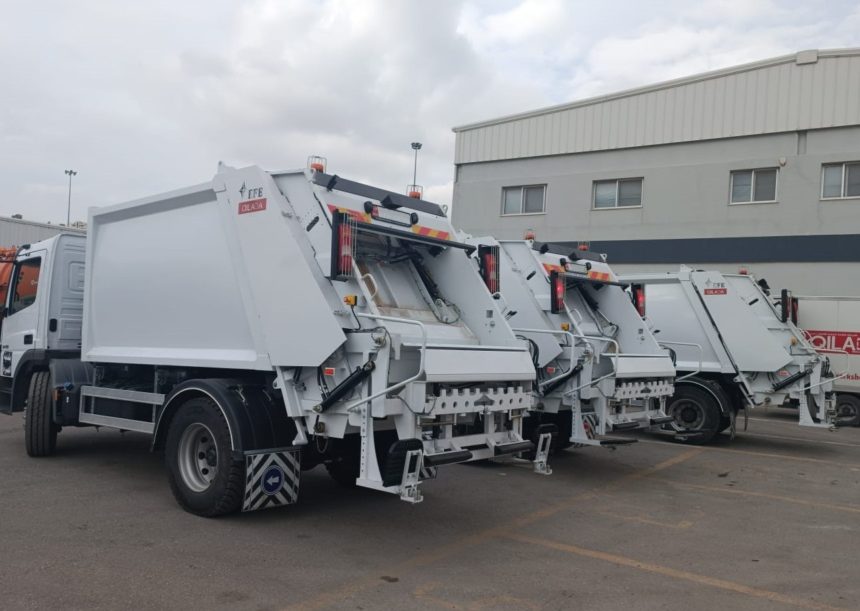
[
  {"x": 786, "y": 93},
  {"x": 753, "y": 347},
  {"x": 160, "y": 286},
  {"x": 639, "y": 366},
  {"x": 184, "y": 278},
  {"x": 454, "y": 366},
  {"x": 673, "y": 314}
]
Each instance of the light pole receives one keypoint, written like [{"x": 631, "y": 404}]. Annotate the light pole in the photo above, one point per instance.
[
  {"x": 416, "y": 146},
  {"x": 69, "y": 173}
]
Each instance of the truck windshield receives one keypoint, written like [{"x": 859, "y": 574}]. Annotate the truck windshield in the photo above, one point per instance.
[{"x": 25, "y": 284}]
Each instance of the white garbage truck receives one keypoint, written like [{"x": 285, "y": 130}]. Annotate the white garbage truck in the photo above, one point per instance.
[
  {"x": 832, "y": 326},
  {"x": 599, "y": 368},
  {"x": 263, "y": 323},
  {"x": 741, "y": 351}
]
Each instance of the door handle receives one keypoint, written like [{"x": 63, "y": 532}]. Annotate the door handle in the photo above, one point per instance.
[
  {"x": 28, "y": 339},
  {"x": 52, "y": 325}
]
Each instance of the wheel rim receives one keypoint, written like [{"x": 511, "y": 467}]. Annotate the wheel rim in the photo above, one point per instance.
[
  {"x": 846, "y": 411},
  {"x": 198, "y": 457},
  {"x": 689, "y": 415}
]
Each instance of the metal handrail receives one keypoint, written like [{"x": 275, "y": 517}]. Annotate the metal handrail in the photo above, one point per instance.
[
  {"x": 839, "y": 377},
  {"x": 614, "y": 371},
  {"x": 370, "y": 277},
  {"x": 423, "y": 349},
  {"x": 603, "y": 338},
  {"x": 701, "y": 356},
  {"x": 553, "y": 332}
]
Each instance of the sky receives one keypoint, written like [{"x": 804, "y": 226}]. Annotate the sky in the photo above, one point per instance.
[{"x": 145, "y": 97}]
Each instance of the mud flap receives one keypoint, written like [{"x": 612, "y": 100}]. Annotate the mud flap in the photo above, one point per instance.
[{"x": 271, "y": 478}]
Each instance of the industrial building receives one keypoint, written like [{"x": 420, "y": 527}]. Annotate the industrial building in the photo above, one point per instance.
[
  {"x": 17, "y": 231},
  {"x": 754, "y": 166}
]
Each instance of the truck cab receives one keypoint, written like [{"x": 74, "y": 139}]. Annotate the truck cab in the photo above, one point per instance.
[{"x": 43, "y": 311}]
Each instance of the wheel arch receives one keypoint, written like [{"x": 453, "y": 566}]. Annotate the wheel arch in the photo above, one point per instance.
[
  {"x": 32, "y": 361},
  {"x": 252, "y": 414},
  {"x": 720, "y": 395}
]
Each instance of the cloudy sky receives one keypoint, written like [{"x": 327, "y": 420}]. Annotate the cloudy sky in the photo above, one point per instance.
[{"x": 143, "y": 97}]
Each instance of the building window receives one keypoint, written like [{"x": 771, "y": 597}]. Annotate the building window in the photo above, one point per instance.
[
  {"x": 620, "y": 193},
  {"x": 753, "y": 186},
  {"x": 527, "y": 199},
  {"x": 839, "y": 180}
]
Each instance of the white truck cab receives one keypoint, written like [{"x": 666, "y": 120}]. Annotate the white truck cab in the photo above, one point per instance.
[{"x": 43, "y": 313}]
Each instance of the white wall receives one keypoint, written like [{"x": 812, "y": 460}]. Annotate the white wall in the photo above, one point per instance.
[{"x": 685, "y": 192}]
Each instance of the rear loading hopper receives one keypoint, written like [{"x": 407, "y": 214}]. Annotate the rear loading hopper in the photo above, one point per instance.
[
  {"x": 734, "y": 349},
  {"x": 599, "y": 368}
]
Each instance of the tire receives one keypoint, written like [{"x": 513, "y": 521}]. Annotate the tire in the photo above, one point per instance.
[
  {"x": 696, "y": 410},
  {"x": 563, "y": 420},
  {"x": 203, "y": 475},
  {"x": 40, "y": 432},
  {"x": 847, "y": 410},
  {"x": 344, "y": 470}
]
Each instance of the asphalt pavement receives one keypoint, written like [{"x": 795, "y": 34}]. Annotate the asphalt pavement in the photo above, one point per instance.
[{"x": 769, "y": 520}]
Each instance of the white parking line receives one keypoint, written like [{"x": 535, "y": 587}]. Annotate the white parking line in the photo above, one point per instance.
[{"x": 805, "y": 440}]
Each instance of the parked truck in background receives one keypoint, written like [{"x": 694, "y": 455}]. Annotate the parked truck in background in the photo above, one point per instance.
[
  {"x": 743, "y": 352},
  {"x": 599, "y": 368},
  {"x": 832, "y": 326},
  {"x": 263, "y": 323}
]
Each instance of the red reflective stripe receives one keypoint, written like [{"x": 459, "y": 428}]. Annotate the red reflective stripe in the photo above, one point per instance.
[
  {"x": 362, "y": 217},
  {"x": 430, "y": 232}
]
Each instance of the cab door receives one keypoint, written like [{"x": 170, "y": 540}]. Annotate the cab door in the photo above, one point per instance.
[{"x": 20, "y": 326}]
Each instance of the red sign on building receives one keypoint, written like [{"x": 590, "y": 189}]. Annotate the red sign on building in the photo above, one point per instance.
[{"x": 835, "y": 341}]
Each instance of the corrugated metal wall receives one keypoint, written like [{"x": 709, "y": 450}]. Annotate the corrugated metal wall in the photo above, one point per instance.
[
  {"x": 14, "y": 232},
  {"x": 785, "y": 94}
]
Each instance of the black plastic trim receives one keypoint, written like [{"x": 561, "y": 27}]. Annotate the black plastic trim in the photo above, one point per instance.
[
  {"x": 396, "y": 200},
  {"x": 513, "y": 448},
  {"x": 447, "y": 458},
  {"x": 413, "y": 237},
  {"x": 754, "y": 249}
]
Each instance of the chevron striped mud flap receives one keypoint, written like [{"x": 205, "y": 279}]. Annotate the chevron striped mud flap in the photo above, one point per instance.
[{"x": 271, "y": 478}]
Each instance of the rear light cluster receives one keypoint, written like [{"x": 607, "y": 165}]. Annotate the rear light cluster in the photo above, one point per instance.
[
  {"x": 789, "y": 306},
  {"x": 342, "y": 245},
  {"x": 638, "y": 293},
  {"x": 488, "y": 257},
  {"x": 558, "y": 287}
]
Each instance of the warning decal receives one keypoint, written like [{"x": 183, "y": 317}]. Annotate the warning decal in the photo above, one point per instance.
[{"x": 252, "y": 205}]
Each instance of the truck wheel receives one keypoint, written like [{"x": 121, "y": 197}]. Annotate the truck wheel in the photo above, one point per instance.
[
  {"x": 40, "y": 432},
  {"x": 204, "y": 477},
  {"x": 847, "y": 410},
  {"x": 695, "y": 411},
  {"x": 344, "y": 470}
]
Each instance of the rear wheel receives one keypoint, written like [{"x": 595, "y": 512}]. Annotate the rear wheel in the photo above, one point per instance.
[
  {"x": 204, "y": 477},
  {"x": 696, "y": 412},
  {"x": 40, "y": 432},
  {"x": 725, "y": 423},
  {"x": 847, "y": 410},
  {"x": 560, "y": 441}
]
